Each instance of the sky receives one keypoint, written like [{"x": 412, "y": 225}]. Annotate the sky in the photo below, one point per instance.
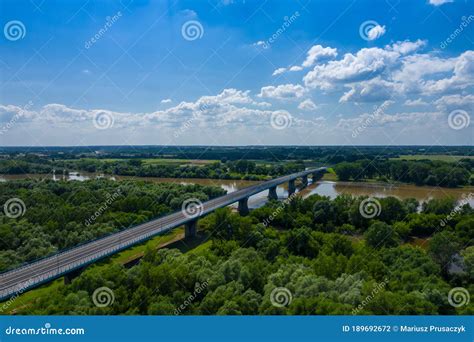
[{"x": 236, "y": 72}]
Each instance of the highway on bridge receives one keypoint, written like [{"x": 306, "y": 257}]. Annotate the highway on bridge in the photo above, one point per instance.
[{"x": 38, "y": 272}]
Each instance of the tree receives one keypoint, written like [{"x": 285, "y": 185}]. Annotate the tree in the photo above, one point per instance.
[
  {"x": 381, "y": 235},
  {"x": 442, "y": 247},
  {"x": 468, "y": 256}
]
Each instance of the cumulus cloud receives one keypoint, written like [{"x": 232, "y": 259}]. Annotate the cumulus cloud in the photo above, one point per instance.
[
  {"x": 307, "y": 105},
  {"x": 295, "y": 68},
  {"x": 318, "y": 52},
  {"x": 367, "y": 63},
  {"x": 397, "y": 70},
  {"x": 406, "y": 46},
  {"x": 279, "y": 71},
  {"x": 166, "y": 101},
  {"x": 439, "y": 2},
  {"x": 451, "y": 102},
  {"x": 283, "y": 92}
]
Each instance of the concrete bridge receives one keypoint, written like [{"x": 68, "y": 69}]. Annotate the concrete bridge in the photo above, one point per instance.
[{"x": 70, "y": 262}]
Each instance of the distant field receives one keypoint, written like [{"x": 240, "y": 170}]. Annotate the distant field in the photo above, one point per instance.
[
  {"x": 442, "y": 157},
  {"x": 163, "y": 161},
  {"x": 155, "y": 161}
]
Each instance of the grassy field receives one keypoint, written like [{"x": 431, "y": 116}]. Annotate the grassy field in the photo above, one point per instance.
[
  {"x": 23, "y": 300},
  {"x": 442, "y": 157},
  {"x": 330, "y": 175}
]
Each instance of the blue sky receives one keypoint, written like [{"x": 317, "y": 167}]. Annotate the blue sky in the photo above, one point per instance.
[{"x": 256, "y": 72}]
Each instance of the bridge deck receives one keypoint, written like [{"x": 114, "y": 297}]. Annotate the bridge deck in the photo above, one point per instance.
[{"x": 54, "y": 266}]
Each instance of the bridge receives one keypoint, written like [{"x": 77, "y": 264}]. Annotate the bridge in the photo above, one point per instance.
[{"x": 70, "y": 262}]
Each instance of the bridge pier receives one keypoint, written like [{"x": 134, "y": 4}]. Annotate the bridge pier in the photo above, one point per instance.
[
  {"x": 243, "y": 206},
  {"x": 272, "y": 193},
  {"x": 304, "y": 181},
  {"x": 317, "y": 176},
  {"x": 291, "y": 187},
  {"x": 69, "y": 277},
  {"x": 190, "y": 229}
]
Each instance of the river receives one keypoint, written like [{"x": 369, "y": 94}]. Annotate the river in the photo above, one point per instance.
[{"x": 324, "y": 188}]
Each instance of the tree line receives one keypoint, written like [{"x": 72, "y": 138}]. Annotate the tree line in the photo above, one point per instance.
[{"x": 419, "y": 172}]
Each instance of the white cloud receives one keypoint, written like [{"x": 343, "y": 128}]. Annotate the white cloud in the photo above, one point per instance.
[
  {"x": 283, "y": 92},
  {"x": 376, "y": 32},
  {"x": 397, "y": 70},
  {"x": 417, "y": 102},
  {"x": 318, "y": 52},
  {"x": 295, "y": 68},
  {"x": 307, "y": 105},
  {"x": 166, "y": 101},
  {"x": 279, "y": 71},
  {"x": 439, "y": 2},
  {"x": 406, "y": 46},
  {"x": 367, "y": 63},
  {"x": 451, "y": 102},
  {"x": 463, "y": 76},
  {"x": 373, "y": 90},
  {"x": 259, "y": 43}
]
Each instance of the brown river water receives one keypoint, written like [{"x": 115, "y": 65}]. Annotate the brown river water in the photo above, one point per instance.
[{"x": 324, "y": 188}]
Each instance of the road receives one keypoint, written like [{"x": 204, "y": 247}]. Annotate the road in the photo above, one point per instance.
[{"x": 49, "y": 268}]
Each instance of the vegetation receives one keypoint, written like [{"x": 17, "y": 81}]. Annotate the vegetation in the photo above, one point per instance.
[
  {"x": 422, "y": 172},
  {"x": 241, "y": 169},
  {"x": 60, "y": 215},
  {"x": 324, "y": 252}
]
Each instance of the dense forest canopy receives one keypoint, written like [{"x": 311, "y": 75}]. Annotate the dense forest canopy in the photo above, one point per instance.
[{"x": 58, "y": 215}]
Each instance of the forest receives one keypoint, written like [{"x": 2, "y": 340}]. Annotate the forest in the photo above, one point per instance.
[
  {"x": 59, "y": 215},
  {"x": 326, "y": 254}
]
